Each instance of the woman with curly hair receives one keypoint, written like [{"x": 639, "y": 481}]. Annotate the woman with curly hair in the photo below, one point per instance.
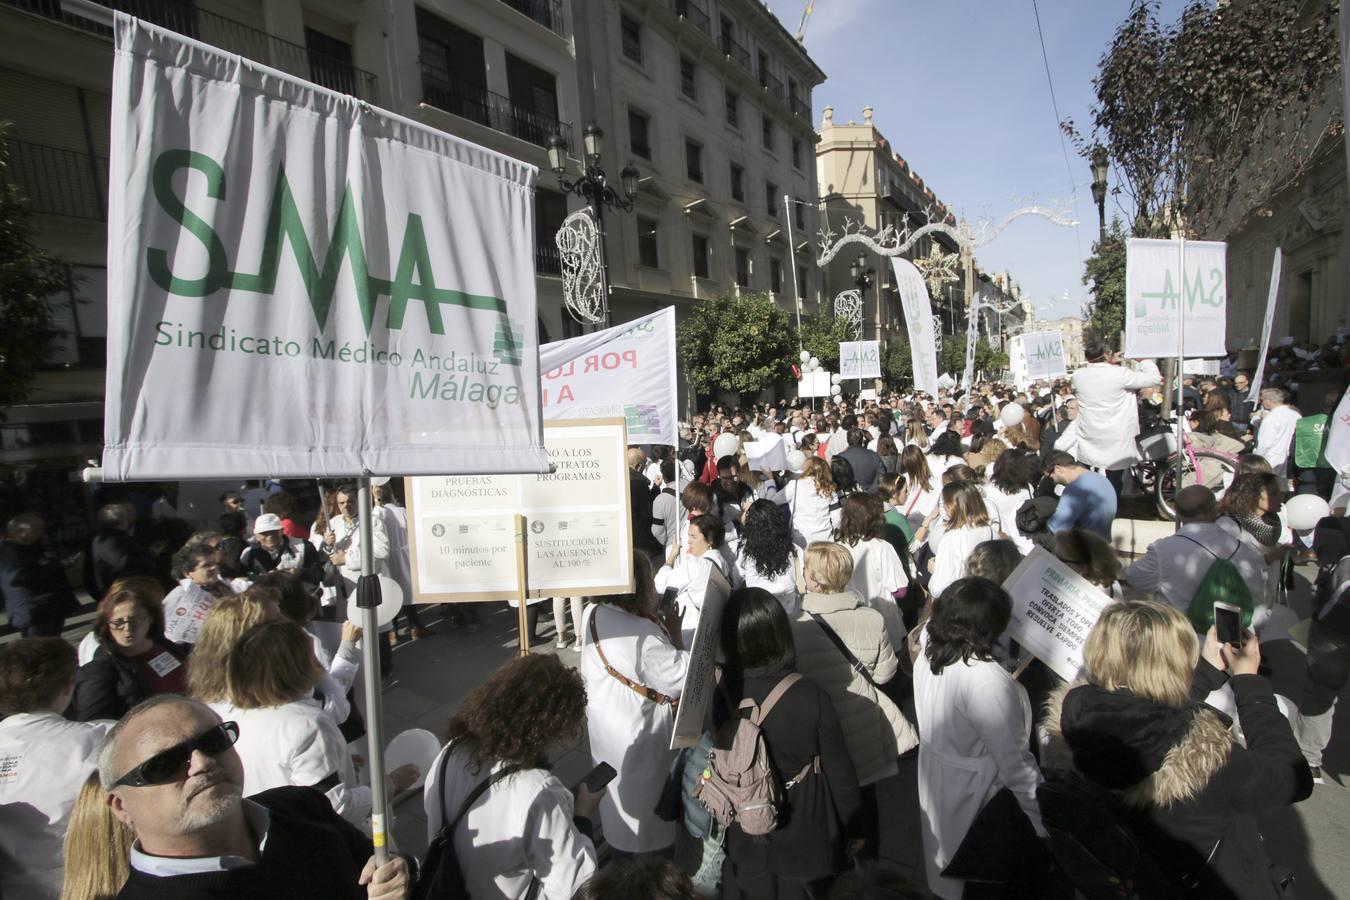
[
  {"x": 878, "y": 576},
  {"x": 975, "y": 721},
  {"x": 197, "y": 566},
  {"x": 811, "y": 498},
  {"x": 767, "y": 558},
  {"x": 1251, "y": 508},
  {"x": 523, "y": 826},
  {"x": 946, "y": 452}
]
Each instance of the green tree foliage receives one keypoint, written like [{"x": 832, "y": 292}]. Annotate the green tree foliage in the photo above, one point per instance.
[
  {"x": 897, "y": 363},
  {"x": 27, "y": 275},
  {"x": 742, "y": 344},
  {"x": 821, "y": 338},
  {"x": 1104, "y": 273},
  {"x": 1208, "y": 117},
  {"x": 952, "y": 356}
]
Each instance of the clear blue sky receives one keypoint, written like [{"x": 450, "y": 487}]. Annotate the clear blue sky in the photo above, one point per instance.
[{"x": 959, "y": 89}]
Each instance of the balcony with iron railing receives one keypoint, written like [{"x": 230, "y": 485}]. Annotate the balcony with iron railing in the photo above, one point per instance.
[
  {"x": 58, "y": 182},
  {"x": 498, "y": 112},
  {"x": 736, "y": 51},
  {"x": 688, "y": 9},
  {"x": 771, "y": 84},
  {"x": 800, "y": 108},
  {"x": 546, "y": 12},
  {"x": 547, "y": 259},
  {"x": 185, "y": 17}
]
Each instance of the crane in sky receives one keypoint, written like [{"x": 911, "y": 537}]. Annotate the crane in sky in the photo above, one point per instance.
[{"x": 806, "y": 15}]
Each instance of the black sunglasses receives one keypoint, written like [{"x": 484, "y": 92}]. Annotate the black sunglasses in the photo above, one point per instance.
[{"x": 172, "y": 764}]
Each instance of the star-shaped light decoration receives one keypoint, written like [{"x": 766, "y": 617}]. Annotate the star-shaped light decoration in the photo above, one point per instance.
[{"x": 937, "y": 268}]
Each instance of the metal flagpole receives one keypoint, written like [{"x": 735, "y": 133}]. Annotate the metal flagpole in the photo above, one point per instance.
[
  {"x": 792, "y": 259},
  {"x": 1181, "y": 380},
  {"x": 368, "y": 600}
]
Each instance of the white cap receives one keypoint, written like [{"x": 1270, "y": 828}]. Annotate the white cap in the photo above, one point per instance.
[{"x": 267, "y": 522}]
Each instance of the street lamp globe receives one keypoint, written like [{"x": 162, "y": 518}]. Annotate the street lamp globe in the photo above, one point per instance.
[
  {"x": 1101, "y": 162},
  {"x": 855, "y": 268},
  {"x": 557, "y": 153},
  {"x": 594, "y": 139},
  {"x": 629, "y": 177}
]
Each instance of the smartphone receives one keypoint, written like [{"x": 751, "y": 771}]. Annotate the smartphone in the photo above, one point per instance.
[
  {"x": 1228, "y": 623},
  {"x": 596, "y": 779},
  {"x": 668, "y": 599}
]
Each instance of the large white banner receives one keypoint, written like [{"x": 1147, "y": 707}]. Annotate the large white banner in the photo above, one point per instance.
[
  {"x": 1254, "y": 395},
  {"x": 1155, "y": 294},
  {"x": 919, "y": 323},
  {"x": 300, "y": 284},
  {"x": 859, "y": 359},
  {"x": 627, "y": 370},
  {"x": 1045, "y": 354}
]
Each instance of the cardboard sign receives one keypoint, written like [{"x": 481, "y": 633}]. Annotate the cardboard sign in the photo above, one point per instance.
[
  {"x": 859, "y": 359},
  {"x": 699, "y": 679},
  {"x": 461, "y": 539},
  {"x": 1054, "y": 608},
  {"x": 1044, "y": 354}
]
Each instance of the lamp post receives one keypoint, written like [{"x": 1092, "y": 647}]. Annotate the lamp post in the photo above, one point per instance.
[
  {"x": 1101, "y": 163},
  {"x": 593, "y": 185},
  {"x": 862, "y": 275}
]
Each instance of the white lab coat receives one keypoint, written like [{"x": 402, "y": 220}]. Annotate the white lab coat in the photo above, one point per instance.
[
  {"x": 951, "y": 551},
  {"x": 689, "y": 577},
  {"x": 783, "y": 586},
  {"x": 298, "y": 744},
  {"x": 1108, "y": 411},
  {"x": 1274, "y": 434},
  {"x": 812, "y": 518},
  {"x": 1006, "y": 507},
  {"x": 44, "y": 761},
  {"x": 397, "y": 565},
  {"x": 521, "y": 827},
  {"x": 974, "y": 728},
  {"x": 877, "y": 575},
  {"x": 627, "y": 731}
]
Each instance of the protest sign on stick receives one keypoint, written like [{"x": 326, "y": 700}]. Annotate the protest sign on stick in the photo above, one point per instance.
[
  {"x": 1054, "y": 608},
  {"x": 699, "y": 679}
]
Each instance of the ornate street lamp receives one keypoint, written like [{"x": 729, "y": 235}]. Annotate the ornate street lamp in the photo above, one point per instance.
[{"x": 1101, "y": 164}]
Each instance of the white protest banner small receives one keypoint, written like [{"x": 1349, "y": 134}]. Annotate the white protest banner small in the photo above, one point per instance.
[
  {"x": 1254, "y": 395},
  {"x": 627, "y": 370},
  {"x": 859, "y": 359},
  {"x": 699, "y": 679},
  {"x": 1200, "y": 367},
  {"x": 815, "y": 384},
  {"x": 1054, "y": 608},
  {"x": 767, "y": 453},
  {"x": 1156, "y": 292},
  {"x": 919, "y": 324},
  {"x": 461, "y": 530},
  {"x": 300, "y": 284},
  {"x": 1044, "y": 354}
]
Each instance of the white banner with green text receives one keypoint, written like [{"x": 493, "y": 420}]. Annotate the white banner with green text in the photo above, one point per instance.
[{"x": 300, "y": 284}]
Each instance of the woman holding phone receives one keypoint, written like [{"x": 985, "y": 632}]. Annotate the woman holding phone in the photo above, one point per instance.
[
  {"x": 1191, "y": 792},
  {"x": 523, "y": 827}
]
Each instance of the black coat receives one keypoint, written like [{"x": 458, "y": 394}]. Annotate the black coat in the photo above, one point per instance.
[
  {"x": 110, "y": 684},
  {"x": 640, "y": 503},
  {"x": 824, "y": 809},
  {"x": 34, "y": 586},
  {"x": 255, "y": 560},
  {"x": 114, "y": 554}
]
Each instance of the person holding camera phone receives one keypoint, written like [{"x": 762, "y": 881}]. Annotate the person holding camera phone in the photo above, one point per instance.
[{"x": 1189, "y": 791}]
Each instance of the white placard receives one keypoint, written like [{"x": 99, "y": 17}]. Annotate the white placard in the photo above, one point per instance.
[
  {"x": 1044, "y": 354},
  {"x": 627, "y": 370},
  {"x": 697, "y": 691},
  {"x": 815, "y": 384},
  {"x": 1054, "y": 608},
  {"x": 1200, "y": 367},
  {"x": 919, "y": 324},
  {"x": 300, "y": 284},
  {"x": 1154, "y": 288},
  {"x": 859, "y": 359},
  {"x": 461, "y": 530}
]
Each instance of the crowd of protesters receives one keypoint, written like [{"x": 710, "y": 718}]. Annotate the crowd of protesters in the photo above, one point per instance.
[{"x": 203, "y": 739}]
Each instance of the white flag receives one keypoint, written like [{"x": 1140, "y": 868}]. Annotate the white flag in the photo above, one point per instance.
[{"x": 919, "y": 322}]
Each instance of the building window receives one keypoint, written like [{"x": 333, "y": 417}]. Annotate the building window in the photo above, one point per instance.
[
  {"x": 693, "y": 160},
  {"x": 550, "y": 208},
  {"x": 767, "y": 124},
  {"x": 796, "y": 153},
  {"x": 330, "y": 62},
  {"x": 702, "y": 251},
  {"x": 688, "y": 78},
  {"x": 776, "y": 275},
  {"x": 771, "y": 199},
  {"x": 798, "y": 214},
  {"x": 639, "y": 138},
  {"x": 743, "y": 267},
  {"x": 733, "y": 108},
  {"x": 630, "y": 31},
  {"x": 737, "y": 183},
  {"x": 802, "y": 290},
  {"x": 648, "y": 240}
]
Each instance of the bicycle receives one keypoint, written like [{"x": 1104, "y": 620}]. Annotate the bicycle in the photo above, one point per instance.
[{"x": 1156, "y": 470}]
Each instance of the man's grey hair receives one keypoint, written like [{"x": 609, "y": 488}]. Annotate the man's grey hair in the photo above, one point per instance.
[
  {"x": 107, "y": 775},
  {"x": 1279, "y": 395}
]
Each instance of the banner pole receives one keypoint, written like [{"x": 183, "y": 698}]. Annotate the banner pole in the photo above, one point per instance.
[
  {"x": 1181, "y": 372},
  {"x": 792, "y": 259},
  {"x": 522, "y": 590},
  {"x": 368, "y": 600}
]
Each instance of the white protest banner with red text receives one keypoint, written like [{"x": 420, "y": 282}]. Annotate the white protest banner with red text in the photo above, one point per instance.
[{"x": 627, "y": 370}]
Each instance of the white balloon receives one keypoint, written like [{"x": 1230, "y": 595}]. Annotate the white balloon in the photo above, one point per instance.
[
  {"x": 391, "y": 601},
  {"x": 836, "y": 378},
  {"x": 796, "y": 462},
  {"x": 838, "y": 398},
  {"x": 806, "y": 356},
  {"x": 1305, "y": 510},
  {"x": 815, "y": 361},
  {"x": 1012, "y": 415},
  {"x": 379, "y": 480},
  {"x": 725, "y": 445}
]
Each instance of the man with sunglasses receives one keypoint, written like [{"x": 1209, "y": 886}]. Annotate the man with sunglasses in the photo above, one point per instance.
[{"x": 172, "y": 774}]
